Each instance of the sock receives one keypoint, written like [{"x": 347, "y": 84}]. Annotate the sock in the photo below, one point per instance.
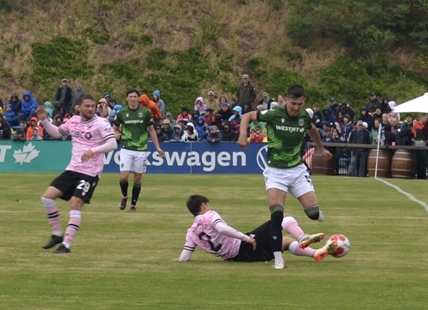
[
  {"x": 295, "y": 250},
  {"x": 278, "y": 256},
  {"x": 136, "y": 189},
  {"x": 124, "y": 188},
  {"x": 290, "y": 225},
  {"x": 53, "y": 215},
  {"x": 72, "y": 228},
  {"x": 313, "y": 212},
  {"x": 275, "y": 229}
]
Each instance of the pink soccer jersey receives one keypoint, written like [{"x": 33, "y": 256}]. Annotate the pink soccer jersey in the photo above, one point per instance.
[
  {"x": 203, "y": 234},
  {"x": 85, "y": 136}
]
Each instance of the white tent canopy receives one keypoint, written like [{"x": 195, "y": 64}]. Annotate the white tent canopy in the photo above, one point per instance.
[{"x": 419, "y": 105}]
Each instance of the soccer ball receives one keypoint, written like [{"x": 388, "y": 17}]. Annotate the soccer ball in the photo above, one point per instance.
[{"x": 342, "y": 243}]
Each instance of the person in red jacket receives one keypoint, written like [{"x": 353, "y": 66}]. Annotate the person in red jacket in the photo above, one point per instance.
[
  {"x": 257, "y": 135},
  {"x": 34, "y": 124}
]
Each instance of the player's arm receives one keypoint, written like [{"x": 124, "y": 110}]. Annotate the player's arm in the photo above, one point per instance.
[
  {"x": 189, "y": 248},
  {"x": 315, "y": 137},
  {"x": 154, "y": 137},
  {"x": 117, "y": 131},
  {"x": 228, "y": 231},
  {"x": 53, "y": 131},
  {"x": 246, "y": 119}
]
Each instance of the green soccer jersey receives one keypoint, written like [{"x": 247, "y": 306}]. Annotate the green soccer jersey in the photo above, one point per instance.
[
  {"x": 134, "y": 127},
  {"x": 285, "y": 136}
]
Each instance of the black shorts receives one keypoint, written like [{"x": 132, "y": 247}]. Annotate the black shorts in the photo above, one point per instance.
[
  {"x": 263, "y": 250},
  {"x": 75, "y": 184}
]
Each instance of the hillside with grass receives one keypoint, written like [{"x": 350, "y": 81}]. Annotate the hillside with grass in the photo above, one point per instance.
[{"x": 186, "y": 48}]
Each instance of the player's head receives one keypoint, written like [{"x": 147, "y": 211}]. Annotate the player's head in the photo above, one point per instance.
[
  {"x": 132, "y": 96},
  {"x": 295, "y": 101},
  {"x": 195, "y": 202},
  {"x": 86, "y": 105}
]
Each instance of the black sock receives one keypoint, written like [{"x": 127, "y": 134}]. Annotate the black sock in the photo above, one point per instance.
[
  {"x": 124, "y": 188},
  {"x": 275, "y": 230},
  {"x": 136, "y": 189}
]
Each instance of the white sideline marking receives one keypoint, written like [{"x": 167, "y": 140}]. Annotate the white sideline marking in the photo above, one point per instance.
[{"x": 410, "y": 196}]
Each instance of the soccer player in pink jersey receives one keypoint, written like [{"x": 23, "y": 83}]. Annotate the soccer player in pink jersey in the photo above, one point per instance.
[
  {"x": 211, "y": 233},
  {"x": 91, "y": 137}
]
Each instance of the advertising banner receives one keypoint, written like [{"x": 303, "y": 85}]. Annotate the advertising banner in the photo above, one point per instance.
[{"x": 180, "y": 158}]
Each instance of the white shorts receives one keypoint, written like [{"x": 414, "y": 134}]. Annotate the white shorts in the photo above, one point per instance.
[
  {"x": 295, "y": 181},
  {"x": 133, "y": 160}
]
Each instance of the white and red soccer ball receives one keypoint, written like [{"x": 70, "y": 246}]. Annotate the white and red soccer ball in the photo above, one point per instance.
[{"x": 342, "y": 245}]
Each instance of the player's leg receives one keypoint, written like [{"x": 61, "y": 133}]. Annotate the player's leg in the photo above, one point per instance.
[
  {"x": 54, "y": 191},
  {"x": 84, "y": 189},
  {"x": 304, "y": 191},
  {"x": 277, "y": 192},
  {"x": 139, "y": 167},
  {"x": 293, "y": 247},
  {"x": 125, "y": 167}
]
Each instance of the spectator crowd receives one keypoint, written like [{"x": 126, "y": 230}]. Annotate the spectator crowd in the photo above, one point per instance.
[{"x": 217, "y": 118}]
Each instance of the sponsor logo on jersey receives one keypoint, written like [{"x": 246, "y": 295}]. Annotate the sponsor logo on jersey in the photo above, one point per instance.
[
  {"x": 289, "y": 129},
  {"x": 140, "y": 114}
]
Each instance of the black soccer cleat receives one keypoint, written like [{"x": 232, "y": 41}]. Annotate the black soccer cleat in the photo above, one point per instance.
[
  {"x": 53, "y": 242},
  {"x": 61, "y": 250}
]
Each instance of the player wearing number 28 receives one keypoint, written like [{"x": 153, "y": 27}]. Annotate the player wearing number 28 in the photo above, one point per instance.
[
  {"x": 91, "y": 137},
  {"x": 285, "y": 173}
]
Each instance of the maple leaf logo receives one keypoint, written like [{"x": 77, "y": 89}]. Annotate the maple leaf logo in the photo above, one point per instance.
[{"x": 26, "y": 155}]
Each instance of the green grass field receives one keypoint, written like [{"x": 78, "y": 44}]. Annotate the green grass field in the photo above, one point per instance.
[{"x": 123, "y": 260}]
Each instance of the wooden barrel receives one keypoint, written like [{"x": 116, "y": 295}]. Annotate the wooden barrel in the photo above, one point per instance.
[
  {"x": 403, "y": 164},
  {"x": 321, "y": 165},
  {"x": 383, "y": 164}
]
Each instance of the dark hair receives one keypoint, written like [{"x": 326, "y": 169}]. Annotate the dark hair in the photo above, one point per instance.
[
  {"x": 84, "y": 97},
  {"x": 296, "y": 91},
  {"x": 195, "y": 202},
  {"x": 132, "y": 90}
]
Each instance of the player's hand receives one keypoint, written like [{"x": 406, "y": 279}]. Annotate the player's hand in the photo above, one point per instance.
[
  {"x": 87, "y": 155},
  {"x": 243, "y": 142},
  {"x": 161, "y": 153},
  {"x": 41, "y": 113},
  {"x": 117, "y": 135},
  {"x": 326, "y": 154},
  {"x": 253, "y": 242}
]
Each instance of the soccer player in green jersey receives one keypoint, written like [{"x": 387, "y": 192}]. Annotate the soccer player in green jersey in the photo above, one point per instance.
[
  {"x": 285, "y": 173},
  {"x": 133, "y": 125}
]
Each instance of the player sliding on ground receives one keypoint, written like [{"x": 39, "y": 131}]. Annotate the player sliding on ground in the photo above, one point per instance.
[{"x": 211, "y": 233}]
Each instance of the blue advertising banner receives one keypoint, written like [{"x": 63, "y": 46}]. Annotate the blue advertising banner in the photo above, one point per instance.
[{"x": 180, "y": 158}]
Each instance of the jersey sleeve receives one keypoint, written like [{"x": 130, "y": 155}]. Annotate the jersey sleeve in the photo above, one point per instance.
[
  {"x": 265, "y": 115},
  {"x": 308, "y": 121},
  {"x": 149, "y": 118},
  {"x": 215, "y": 218},
  {"x": 64, "y": 128},
  {"x": 105, "y": 129}
]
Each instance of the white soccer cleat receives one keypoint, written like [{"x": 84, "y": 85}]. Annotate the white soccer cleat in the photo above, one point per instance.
[
  {"x": 307, "y": 240},
  {"x": 279, "y": 264}
]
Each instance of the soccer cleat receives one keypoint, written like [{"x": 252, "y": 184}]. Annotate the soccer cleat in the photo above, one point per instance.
[
  {"x": 133, "y": 209},
  {"x": 279, "y": 264},
  {"x": 122, "y": 205},
  {"x": 61, "y": 250},
  {"x": 53, "y": 242},
  {"x": 325, "y": 251},
  {"x": 320, "y": 217},
  {"x": 306, "y": 240}
]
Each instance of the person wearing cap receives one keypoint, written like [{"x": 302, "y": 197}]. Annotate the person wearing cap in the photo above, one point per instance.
[
  {"x": 284, "y": 170},
  {"x": 64, "y": 95},
  {"x": 346, "y": 108},
  {"x": 172, "y": 121},
  {"x": 246, "y": 91},
  {"x": 133, "y": 126},
  {"x": 373, "y": 103},
  {"x": 211, "y": 102},
  {"x": 359, "y": 155},
  {"x": 167, "y": 129},
  {"x": 265, "y": 101}
]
